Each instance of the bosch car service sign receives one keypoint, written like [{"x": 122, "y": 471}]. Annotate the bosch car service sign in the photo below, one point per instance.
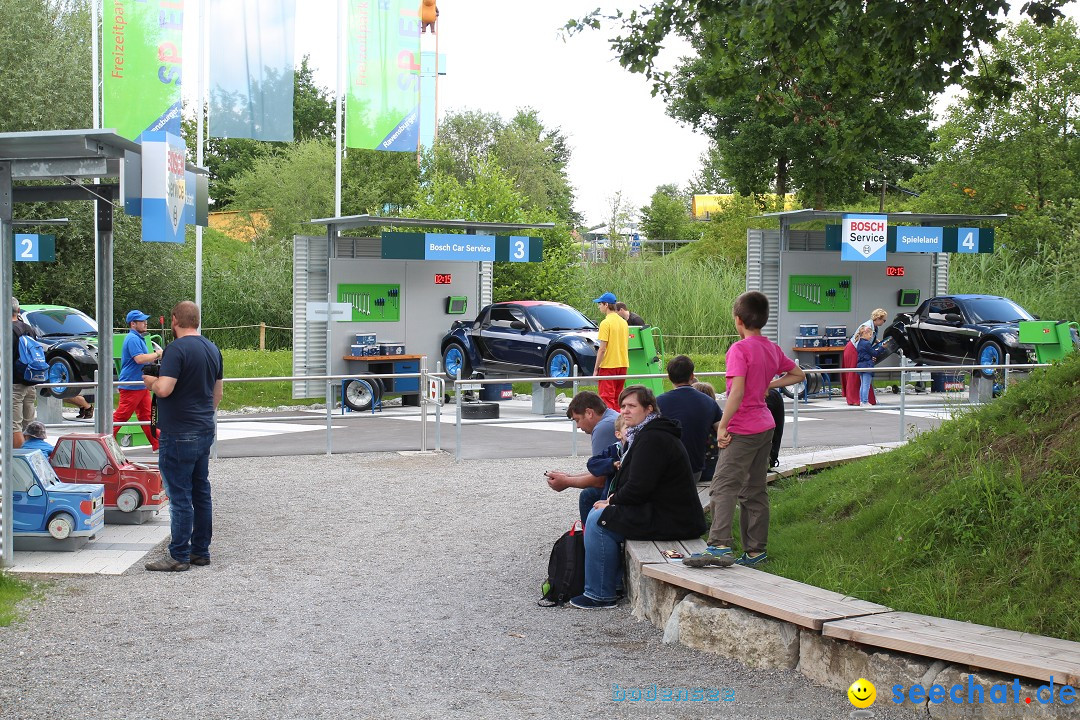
[{"x": 864, "y": 238}]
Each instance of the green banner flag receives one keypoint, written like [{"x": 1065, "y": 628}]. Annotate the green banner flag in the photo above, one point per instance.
[
  {"x": 141, "y": 59},
  {"x": 383, "y": 100}
]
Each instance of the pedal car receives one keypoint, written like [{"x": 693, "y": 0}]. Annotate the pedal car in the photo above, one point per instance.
[
  {"x": 42, "y": 506},
  {"x": 97, "y": 458}
]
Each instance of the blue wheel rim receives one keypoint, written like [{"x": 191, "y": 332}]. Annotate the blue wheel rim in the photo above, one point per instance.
[
  {"x": 58, "y": 374},
  {"x": 989, "y": 356},
  {"x": 453, "y": 360},
  {"x": 559, "y": 366}
]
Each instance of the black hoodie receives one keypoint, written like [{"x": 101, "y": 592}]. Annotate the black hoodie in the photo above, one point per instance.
[{"x": 654, "y": 496}]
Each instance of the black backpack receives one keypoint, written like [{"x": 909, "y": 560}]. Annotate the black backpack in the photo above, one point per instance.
[
  {"x": 566, "y": 568},
  {"x": 775, "y": 402}
]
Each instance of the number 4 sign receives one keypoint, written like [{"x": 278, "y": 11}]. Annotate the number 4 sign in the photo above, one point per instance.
[
  {"x": 35, "y": 248},
  {"x": 967, "y": 240}
]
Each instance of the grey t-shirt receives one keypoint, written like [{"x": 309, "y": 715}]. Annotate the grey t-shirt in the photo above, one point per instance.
[{"x": 603, "y": 435}]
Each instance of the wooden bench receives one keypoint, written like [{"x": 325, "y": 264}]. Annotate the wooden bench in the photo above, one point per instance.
[
  {"x": 772, "y": 595},
  {"x": 651, "y": 551},
  {"x": 1006, "y": 651}
]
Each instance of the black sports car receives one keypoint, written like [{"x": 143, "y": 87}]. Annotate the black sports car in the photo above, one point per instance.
[
  {"x": 71, "y": 343},
  {"x": 530, "y": 337},
  {"x": 963, "y": 329}
]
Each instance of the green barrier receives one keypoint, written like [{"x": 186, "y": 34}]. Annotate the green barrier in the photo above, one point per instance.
[
  {"x": 118, "y": 347},
  {"x": 645, "y": 358},
  {"x": 1052, "y": 340}
]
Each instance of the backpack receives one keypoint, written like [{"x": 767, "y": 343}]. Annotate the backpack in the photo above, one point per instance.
[
  {"x": 566, "y": 568},
  {"x": 32, "y": 361}
]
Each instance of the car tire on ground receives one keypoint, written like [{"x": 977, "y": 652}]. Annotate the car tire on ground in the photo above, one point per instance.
[
  {"x": 128, "y": 500},
  {"x": 560, "y": 363},
  {"x": 61, "y": 526},
  {"x": 480, "y": 411},
  {"x": 362, "y": 392},
  {"x": 454, "y": 359},
  {"x": 60, "y": 371}
]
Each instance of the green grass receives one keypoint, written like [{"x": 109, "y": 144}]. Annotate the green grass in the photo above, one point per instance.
[
  {"x": 12, "y": 590},
  {"x": 252, "y": 363},
  {"x": 975, "y": 521}
]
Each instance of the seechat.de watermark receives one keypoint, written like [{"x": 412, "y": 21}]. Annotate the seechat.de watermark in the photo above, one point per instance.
[
  {"x": 862, "y": 694},
  {"x": 655, "y": 693}
]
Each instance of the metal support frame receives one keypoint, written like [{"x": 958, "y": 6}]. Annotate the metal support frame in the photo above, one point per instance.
[{"x": 7, "y": 364}]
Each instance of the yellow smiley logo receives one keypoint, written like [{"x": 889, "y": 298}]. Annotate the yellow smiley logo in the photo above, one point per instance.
[{"x": 862, "y": 693}]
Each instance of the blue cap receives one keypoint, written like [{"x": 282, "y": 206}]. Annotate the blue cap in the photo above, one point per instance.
[
  {"x": 136, "y": 316},
  {"x": 607, "y": 297}
]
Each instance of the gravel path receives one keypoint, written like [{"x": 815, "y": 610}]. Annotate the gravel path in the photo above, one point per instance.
[{"x": 365, "y": 586}]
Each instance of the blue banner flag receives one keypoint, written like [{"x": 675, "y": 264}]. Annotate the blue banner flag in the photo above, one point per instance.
[{"x": 252, "y": 68}]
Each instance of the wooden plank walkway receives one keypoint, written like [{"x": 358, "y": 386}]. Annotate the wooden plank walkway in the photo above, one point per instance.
[
  {"x": 1006, "y": 651},
  {"x": 772, "y": 595}
]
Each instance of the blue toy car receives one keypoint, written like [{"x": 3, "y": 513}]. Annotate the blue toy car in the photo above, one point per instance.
[
  {"x": 43, "y": 506},
  {"x": 530, "y": 337}
]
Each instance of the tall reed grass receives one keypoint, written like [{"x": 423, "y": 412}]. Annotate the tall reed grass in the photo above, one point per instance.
[
  {"x": 689, "y": 301},
  {"x": 1049, "y": 290}
]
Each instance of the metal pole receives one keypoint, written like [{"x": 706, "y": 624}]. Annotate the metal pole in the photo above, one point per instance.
[
  {"x": 457, "y": 419},
  {"x": 903, "y": 392},
  {"x": 329, "y": 411},
  {"x": 1006, "y": 388},
  {"x": 423, "y": 403},
  {"x": 342, "y": 26},
  {"x": 795, "y": 422},
  {"x": 103, "y": 272},
  {"x": 438, "y": 412},
  {"x": 201, "y": 87},
  {"x": 7, "y": 360},
  {"x": 95, "y": 62},
  {"x": 573, "y": 425}
]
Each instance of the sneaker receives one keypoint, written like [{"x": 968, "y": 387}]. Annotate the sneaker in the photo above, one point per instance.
[
  {"x": 167, "y": 564},
  {"x": 712, "y": 557},
  {"x": 747, "y": 561},
  {"x": 587, "y": 603},
  {"x": 200, "y": 560}
]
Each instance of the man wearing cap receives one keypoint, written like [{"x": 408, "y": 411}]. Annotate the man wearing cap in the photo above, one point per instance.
[
  {"x": 35, "y": 438},
  {"x": 613, "y": 357},
  {"x": 135, "y": 398}
]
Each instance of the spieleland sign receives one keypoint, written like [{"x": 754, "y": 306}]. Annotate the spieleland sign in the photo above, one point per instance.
[
  {"x": 141, "y": 60},
  {"x": 904, "y": 238},
  {"x": 456, "y": 247}
]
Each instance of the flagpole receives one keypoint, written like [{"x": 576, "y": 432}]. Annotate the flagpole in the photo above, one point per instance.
[
  {"x": 95, "y": 50},
  {"x": 340, "y": 93},
  {"x": 201, "y": 86}
]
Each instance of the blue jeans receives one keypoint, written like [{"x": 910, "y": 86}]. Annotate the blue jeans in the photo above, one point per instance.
[
  {"x": 586, "y": 499},
  {"x": 184, "y": 460},
  {"x": 603, "y": 561},
  {"x": 865, "y": 381}
]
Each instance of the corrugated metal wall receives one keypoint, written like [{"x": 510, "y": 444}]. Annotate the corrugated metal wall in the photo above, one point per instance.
[
  {"x": 763, "y": 272},
  {"x": 310, "y": 284},
  {"x": 484, "y": 288},
  {"x": 940, "y": 272}
]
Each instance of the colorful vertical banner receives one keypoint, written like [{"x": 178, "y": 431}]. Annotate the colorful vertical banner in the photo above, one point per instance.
[
  {"x": 383, "y": 98},
  {"x": 252, "y": 68},
  {"x": 164, "y": 188},
  {"x": 142, "y": 43}
]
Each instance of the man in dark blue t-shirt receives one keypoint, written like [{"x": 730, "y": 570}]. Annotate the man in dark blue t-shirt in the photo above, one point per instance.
[
  {"x": 188, "y": 391},
  {"x": 696, "y": 412}
]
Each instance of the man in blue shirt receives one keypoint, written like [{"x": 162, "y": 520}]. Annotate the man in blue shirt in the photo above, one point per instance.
[
  {"x": 189, "y": 390},
  {"x": 597, "y": 420},
  {"x": 696, "y": 412},
  {"x": 134, "y": 354}
]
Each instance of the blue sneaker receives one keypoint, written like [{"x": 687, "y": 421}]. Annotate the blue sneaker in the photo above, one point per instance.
[
  {"x": 747, "y": 561},
  {"x": 712, "y": 557},
  {"x": 587, "y": 603}
]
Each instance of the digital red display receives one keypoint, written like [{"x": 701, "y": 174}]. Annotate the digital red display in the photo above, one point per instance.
[
  {"x": 894, "y": 271},
  {"x": 447, "y": 278}
]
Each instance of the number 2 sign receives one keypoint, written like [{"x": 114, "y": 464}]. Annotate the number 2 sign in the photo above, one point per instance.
[{"x": 35, "y": 248}]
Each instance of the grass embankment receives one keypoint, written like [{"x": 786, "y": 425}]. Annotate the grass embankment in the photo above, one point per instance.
[
  {"x": 253, "y": 363},
  {"x": 975, "y": 521}
]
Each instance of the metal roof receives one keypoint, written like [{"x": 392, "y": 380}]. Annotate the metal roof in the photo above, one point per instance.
[
  {"x": 810, "y": 215},
  {"x": 50, "y": 154},
  {"x": 354, "y": 221}
]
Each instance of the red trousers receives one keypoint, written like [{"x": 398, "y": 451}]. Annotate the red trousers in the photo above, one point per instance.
[
  {"x": 137, "y": 402},
  {"x": 609, "y": 390},
  {"x": 849, "y": 382}
]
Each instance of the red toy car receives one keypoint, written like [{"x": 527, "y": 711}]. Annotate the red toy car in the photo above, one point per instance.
[{"x": 97, "y": 458}]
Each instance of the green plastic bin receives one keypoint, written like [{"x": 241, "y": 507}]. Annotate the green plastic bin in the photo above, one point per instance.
[
  {"x": 1052, "y": 340},
  {"x": 646, "y": 349}
]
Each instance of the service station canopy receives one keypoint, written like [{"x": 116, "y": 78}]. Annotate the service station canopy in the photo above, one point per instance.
[{"x": 65, "y": 165}]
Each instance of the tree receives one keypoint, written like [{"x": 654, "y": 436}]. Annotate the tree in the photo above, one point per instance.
[{"x": 667, "y": 216}]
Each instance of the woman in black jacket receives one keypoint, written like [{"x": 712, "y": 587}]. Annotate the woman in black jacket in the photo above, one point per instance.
[{"x": 652, "y": 497}]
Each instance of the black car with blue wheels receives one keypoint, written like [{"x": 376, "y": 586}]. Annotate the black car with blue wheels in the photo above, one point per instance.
[
  {"x": 525, "y": 337},
  {"x": 71, "y": 342},
  {"x": 963, "y": 330}
]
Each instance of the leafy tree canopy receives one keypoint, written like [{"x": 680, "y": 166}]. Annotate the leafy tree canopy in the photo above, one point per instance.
[{"x": 667, "y": 216}]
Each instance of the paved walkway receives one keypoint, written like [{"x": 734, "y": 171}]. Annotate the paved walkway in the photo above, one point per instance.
[{"x": 366, "y": 586}]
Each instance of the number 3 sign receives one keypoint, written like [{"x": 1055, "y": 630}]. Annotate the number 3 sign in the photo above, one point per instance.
[{"x": 35, "y": 248}]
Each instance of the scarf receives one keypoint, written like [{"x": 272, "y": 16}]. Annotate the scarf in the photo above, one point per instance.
[{"x": 631, "y": 432}]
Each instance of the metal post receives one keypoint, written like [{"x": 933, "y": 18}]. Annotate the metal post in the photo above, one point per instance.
[
  {"x": 329, "y": 414},
  {"x": 423, "y": 403},
  {"x": 7, "y": 360},
  {"x": 795, "y": 422},
  {"x": 1006, "y": 388},
  {"x": 438, "y": 411},
  {"x": 103, "y": 270},
  {"x": 573, "y": 425},
  {"x": 903, "y": 392},
  {"x": 457, "y": 420}
]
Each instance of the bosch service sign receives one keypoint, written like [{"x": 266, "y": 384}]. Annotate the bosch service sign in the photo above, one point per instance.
[{"x": 864, "y": 238}]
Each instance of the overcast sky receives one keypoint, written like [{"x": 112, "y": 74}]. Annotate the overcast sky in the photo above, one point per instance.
[{"x": 503, "y": 56}]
